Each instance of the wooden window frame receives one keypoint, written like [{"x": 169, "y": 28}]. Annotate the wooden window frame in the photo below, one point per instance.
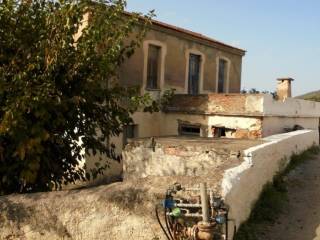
[
  {"x": 150, "y": 84},
  {"x": 163, "y": 53},
  {"x": 227, "y": 75},
  {"x": 202, "y": 66}
]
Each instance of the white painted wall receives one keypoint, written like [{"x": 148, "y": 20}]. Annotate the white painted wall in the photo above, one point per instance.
[
  {"x": 242, "y": 185},
  {"x": 254, "y": 103},
  {"x": 290, "y": 107},
  {"x": 235, "y": 122},
  {"x": 276, "y": 125}
]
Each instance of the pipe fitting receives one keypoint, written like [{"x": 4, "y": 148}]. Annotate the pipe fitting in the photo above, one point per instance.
[
  {"x": 201, "y": 231},
  {"x": 206, "y": 231}
]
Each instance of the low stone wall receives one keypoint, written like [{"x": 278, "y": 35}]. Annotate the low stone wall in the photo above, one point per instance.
[
  {"x": 242, "y": 185},
  {"x": 182, "y": 156}
]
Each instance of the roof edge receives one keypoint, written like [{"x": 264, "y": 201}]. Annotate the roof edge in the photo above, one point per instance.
[
  {"x": 196, "y": 35},
  {"x": 191, "y": 33}
]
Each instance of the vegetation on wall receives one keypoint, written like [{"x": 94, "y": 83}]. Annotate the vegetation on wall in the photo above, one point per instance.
[
  {"x": 57, "y": 89},
  {"x": 255, "y": 91},
  {"x": 313, "y": 96}
]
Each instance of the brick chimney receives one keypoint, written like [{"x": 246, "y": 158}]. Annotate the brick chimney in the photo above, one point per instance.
[{"x": 284, "y": 88}]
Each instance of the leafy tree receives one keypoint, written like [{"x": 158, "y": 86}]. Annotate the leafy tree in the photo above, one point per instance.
[{"x": 58, "y": 86}]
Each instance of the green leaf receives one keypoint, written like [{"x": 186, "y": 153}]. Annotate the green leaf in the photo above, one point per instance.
[{"x": 56, "y": 90}]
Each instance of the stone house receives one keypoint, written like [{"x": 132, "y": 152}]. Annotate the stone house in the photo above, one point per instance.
[
  {"x": 174, "y": 58},
  {"x": 206, "y": 75}
]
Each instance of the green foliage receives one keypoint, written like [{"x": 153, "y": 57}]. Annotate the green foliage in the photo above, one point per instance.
[
  {"x": 312, "y": 96},
  {"x": 255, "y": 91},
  {"x": 161, "y": 103},
  {"x": 297, "y": 159},
  {"x": 272, "y": 200},
  {"x": 315, "y": 98},
  {"x": 58, "y": 85}
]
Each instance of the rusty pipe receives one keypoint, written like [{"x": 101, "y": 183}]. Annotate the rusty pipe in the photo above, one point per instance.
[{"x": 201, "y": 231}]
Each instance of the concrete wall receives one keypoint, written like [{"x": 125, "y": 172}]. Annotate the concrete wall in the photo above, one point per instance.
[
  {"x": 252, "y": 126},
  {"x": 242, "y": 185},
  {"x": 146, "y": 127},
  {"x": 290, "y": 107},
  {"x": 175, "y": 63},
  {"x": 244, "y": 127},
  {"x": 160, "y": 124},
  {"x": 178, "y": 156},
  {"x": 250, "y": 116},
  {"x": 276, "y": 125},
  {"x": 259, "y": 113},
  {"x": 279, "y": 115},
  {"x": 155, "y": 125}
]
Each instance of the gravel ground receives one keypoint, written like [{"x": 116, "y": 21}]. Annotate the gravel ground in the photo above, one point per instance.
[{"x": 301, "y": 218}]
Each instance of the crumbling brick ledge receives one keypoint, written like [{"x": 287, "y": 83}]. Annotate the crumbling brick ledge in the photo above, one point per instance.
[{"x": 126, "y": 210}]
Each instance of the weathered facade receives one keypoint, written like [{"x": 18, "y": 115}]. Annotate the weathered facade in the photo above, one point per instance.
[
  {"x": 174, "y": 58},
  {"x": 190, "y": 63},
  {"x": 180, "y": 56},
  {"x": 207, "y": 77}
]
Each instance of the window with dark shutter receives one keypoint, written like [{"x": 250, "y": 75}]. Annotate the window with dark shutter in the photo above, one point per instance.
[
  {"x": 153, "y": 67},
  {"x": 222, "y": 75},
  {"x": 194, "y": 74}
]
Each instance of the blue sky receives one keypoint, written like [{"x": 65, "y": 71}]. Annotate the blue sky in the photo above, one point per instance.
[{"x": 282, "y": 37}]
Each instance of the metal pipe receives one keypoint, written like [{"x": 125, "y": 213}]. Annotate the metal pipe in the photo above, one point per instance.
[
  {"x": 204, "y": 202},
  {"x": 227, "y": 226},
  {"x": 189, "y": 215},
  {"x": 192, "y": 215},
  {"x": 188, "y": 205},
  {"x": 211, "y": 200},
  {"x": 211, "y": 197},
  {"x": 195, "y": 189}
]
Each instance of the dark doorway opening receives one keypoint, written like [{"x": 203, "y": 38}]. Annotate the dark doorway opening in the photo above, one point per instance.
[{"x": 218, "y": 131}]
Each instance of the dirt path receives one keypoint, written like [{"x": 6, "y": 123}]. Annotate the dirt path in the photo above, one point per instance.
[{"x": 301, "y": 218}]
